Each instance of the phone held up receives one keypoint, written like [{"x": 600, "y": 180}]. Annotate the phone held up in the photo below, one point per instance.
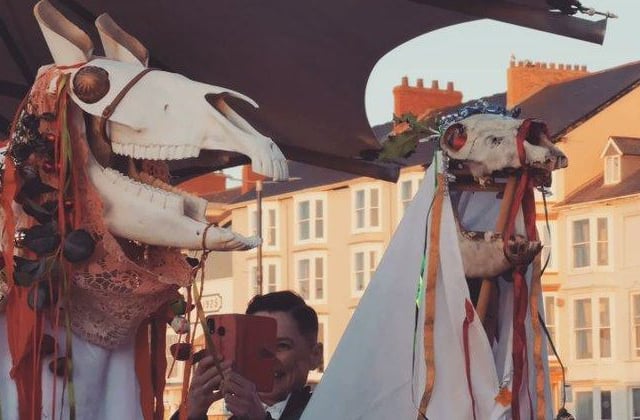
[{"x": 250, "y": 342}]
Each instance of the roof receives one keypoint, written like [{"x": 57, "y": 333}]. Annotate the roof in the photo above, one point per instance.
[
  {"x": 595, "y": 190},
  {"x": 627, "y": 145},
  {"x": 305, "y": 177},
  {"x": 225, "y": 197},
  {"x": 566, "y": 105}
]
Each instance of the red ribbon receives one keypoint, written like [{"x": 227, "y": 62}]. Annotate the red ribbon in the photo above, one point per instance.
[{"x": 524, "y": 197}]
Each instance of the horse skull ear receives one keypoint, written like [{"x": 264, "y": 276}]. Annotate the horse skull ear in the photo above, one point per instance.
[
  {"x": 119, "y": 45},
  {"x": 67, "y": 43}
]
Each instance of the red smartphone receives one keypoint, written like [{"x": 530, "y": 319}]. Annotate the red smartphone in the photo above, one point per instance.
[{"x": 248, "y": 340}]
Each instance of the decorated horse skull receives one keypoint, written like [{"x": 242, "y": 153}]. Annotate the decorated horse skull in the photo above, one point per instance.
[
  {"x": 490, "y": 142},
  {"x": 486, "y": 143},
  {"x": 151, "y": 115}
]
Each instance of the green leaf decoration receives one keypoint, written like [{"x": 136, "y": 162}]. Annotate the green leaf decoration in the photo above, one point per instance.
[{"x": 402, "y": 145}]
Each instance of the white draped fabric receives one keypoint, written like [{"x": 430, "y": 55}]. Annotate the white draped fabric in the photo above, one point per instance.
[
  {"x": 106, "y": 387},
  {"x": 378, "y": 370}
]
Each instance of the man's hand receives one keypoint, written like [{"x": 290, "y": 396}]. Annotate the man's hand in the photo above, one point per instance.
[
  {"x": 241, "y": 398},
  {"x": 205, "y": 386}
]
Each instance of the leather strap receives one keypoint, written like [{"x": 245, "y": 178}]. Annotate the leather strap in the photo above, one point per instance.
[
  {"x": 110, "y": 109},
  {"x": 430, "y": 296}
]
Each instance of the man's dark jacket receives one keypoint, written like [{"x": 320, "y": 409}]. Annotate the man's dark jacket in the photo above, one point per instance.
[{"x": 293, "y": 411}]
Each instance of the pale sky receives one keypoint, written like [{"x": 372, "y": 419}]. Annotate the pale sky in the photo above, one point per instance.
[{"x": 475, "y": 55}]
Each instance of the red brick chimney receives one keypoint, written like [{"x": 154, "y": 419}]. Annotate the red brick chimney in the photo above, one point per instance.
[
  {"x": 419, "y": 100},
  {"x": 526, "y": 78},
  {"x": 205, "y": 184},
  {"x": 249, "y": 179}
]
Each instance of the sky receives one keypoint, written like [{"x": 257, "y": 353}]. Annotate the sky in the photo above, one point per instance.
[{"x": 475, "y": 55}]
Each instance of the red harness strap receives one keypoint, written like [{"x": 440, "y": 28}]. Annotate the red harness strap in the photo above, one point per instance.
[{"x": 523, "y": 197}]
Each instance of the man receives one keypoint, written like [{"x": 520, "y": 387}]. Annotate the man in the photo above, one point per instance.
[{"x": 297, "y": 352}]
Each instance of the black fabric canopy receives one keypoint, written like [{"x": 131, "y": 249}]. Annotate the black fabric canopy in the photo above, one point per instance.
[{"x": 305, "y": 62}]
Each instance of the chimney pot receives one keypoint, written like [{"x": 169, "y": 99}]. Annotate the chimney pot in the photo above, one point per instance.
[
  {"x": 552, "y": 66},
  {"x": 560, "y": 66},
  {"x": 520, "y": 63},
  {"x": 583, "y": 68},
  {"x": 450, "y": 86},
  {"x": 544, "y": 65},
  {"x": 420, "y": 83},
  {"x": 576, "y": 67},
  {"x": 405, "y": 81},
  {"x": 434, "y": 84}
]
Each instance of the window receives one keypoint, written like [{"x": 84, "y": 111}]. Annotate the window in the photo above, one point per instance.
[
  {"x": 605, "y": 405},
  {"x": 635, "y": 403},
  {"x": 364, "y": 261},
  {"x": 584, "y": 405},
  {"x": 407, "y": 187},
  {"x": 366, "y": 208},
  {"x": 582, "y": 327},
  {"x": 311, "y": 218},
  {"x": 310, "y": 276},
  {"x": 592, "y": 328},
  {"x": 271, "y": 278},
  {"x": 587, "y": 403},
  {"x": 175, "y": 374},
  {"x": 635, "y": 308},
  {"x": 269, "y": 224},
  {"x": 590, "y": 237},
  {"x": 611, "y": 169},
  {"x": 581, "y": 247},
  {"x": 547, "y": 234},
  {"x": 551, "y": 321}
]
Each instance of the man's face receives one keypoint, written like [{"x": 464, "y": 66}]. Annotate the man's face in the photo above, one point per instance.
[{"x": 295, "y": 355}]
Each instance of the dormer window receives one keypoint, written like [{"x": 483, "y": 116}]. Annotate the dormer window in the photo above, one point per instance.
[{"x": 611, "y": 169}]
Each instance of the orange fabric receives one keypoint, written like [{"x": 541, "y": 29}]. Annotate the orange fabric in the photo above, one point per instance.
[
  {"x": 143, "y": 370},
  {"x": 430, "y": 294},
  {"x": 159, "y": 358},
  {"x": 536, "y": 291}
]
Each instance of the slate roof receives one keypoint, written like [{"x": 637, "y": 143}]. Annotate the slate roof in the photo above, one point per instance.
[
  {"x": 627, "y": 145},
  {"x": 564, "y": 106},
  {"x": 595, "y": 190}
]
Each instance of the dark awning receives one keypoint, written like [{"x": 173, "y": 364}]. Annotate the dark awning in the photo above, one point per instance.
[{"x": 305, "y": 62}]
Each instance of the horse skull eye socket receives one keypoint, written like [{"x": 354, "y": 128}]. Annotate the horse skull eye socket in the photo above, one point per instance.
[
  {"x": 91, "y": 83},
  {"x": 536, "y": 130},
  {"x": 455, "y": 137}
]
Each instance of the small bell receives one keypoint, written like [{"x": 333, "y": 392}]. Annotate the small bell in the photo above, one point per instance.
[
  {"x": 28, "y": 271},
  {"x": 20, "y": 152},
  {"x": 180, "y": 325},
  {"x": 48, "y": 346},
  {"x": 178, "y": 306},
  {"x": 41, "y": 239},
  {"x": 78, "y": 246},
  {"x": 40, "y": 297},
  {"x": 60, "y": 366},
  {"x": 181, "y": 351}
]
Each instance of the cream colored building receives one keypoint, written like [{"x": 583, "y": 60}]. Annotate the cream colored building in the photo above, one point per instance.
[{"x": 592, "y": 285}]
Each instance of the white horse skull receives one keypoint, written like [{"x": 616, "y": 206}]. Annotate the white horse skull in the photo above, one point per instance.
[
  {"x": 162, "y": 116},
  {"x": 488, "y": 143}
]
